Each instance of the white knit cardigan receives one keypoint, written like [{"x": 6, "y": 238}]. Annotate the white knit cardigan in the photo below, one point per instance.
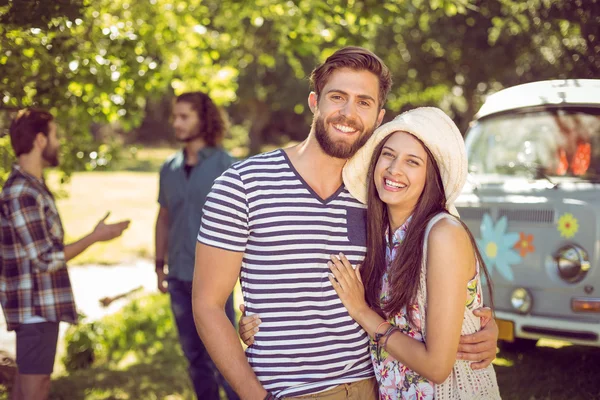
[{"x": 463, "y": 383}]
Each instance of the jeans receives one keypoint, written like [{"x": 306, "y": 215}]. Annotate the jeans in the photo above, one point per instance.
[{"x": 203, "y": 373}]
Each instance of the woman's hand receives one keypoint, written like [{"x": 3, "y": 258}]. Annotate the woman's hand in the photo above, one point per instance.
[
  {"x": 347, "y": 283},
  {"x": 248, "y": 326}
]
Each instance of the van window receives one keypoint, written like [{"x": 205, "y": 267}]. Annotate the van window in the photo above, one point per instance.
[{"x": 563, "y": 143}]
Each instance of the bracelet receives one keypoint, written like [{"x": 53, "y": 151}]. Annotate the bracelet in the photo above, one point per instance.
[
  {"x": 159, "y": 264},
  {"x": 380, "y": 325},
  {"x": 395, "y": 329},
  {"x": 379, "y": 336}
]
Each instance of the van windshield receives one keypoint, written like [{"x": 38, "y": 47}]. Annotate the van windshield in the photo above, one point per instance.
[{"x": 549, "y": 143}]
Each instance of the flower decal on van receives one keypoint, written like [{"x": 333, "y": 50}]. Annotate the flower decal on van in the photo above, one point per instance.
[
  {"x": 567, "y": 225},
  {"x": 525, "y": 244},
  {"x": 496, "y": 246}
]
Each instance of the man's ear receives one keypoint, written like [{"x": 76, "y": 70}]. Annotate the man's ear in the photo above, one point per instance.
[
  {"x": 380, "y": 117},
  {"x": 40, "y": 140},
  {"x": 312, "y": 101}
]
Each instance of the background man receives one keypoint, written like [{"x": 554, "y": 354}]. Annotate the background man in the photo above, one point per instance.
[
  {"x": 185, "y": 180},
  {"x": 35, "y": 290}
]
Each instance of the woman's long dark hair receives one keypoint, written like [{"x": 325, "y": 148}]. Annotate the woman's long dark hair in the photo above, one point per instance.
[{"x": 405, "y": 271}]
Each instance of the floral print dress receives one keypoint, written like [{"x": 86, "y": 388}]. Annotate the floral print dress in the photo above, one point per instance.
[{"x": 396, "y": 381}]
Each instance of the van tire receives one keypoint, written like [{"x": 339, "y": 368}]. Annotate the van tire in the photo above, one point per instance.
[{"x": 520, "y": 345}]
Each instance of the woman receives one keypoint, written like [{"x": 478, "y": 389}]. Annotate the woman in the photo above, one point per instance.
[
  {"x": 415, "y": 303},
  {"x": 415, "y": 167}
]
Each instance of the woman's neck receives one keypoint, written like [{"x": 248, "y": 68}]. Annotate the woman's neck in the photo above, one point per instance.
[{"x": 397, "y": 217}]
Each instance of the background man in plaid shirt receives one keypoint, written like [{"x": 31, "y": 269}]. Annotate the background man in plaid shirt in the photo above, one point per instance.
[{"x": 35, "y": 290}]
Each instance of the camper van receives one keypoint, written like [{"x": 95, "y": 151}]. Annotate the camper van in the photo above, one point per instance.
[{"x": 532, "y": 202}]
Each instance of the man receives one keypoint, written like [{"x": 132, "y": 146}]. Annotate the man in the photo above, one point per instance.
[
  {"x": 185, "y": 181},
  {"x": 275, "y": 219},
  {"x": 35, "y": 290}
]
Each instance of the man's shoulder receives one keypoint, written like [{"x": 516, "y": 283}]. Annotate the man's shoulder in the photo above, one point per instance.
[
  {"x": 18, "y": 186},
  {"x": 172, "y": 162},
  {"x": 266, "y": 160},
  {"x": 222, "y": 158},
  {"x": 252, "y": 168}
]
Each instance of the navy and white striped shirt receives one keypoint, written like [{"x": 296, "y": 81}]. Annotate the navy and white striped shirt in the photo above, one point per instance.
[{"x": 262, "y": 207}]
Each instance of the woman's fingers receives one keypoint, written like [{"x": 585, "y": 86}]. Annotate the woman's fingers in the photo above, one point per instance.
[
  {"x": 335, "y": 284},
  {"x": 357, "y": 272},
  {"x": 339, "y": 271},
  {"x": 335, "y": 277},
  {"x": 346, "y": 264}
]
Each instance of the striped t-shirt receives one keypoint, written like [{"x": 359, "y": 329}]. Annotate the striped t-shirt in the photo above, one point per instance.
[{"x": 262, "y": 207}]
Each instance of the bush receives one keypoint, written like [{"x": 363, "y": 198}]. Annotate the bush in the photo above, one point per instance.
[{"x": 140, "y": 329}]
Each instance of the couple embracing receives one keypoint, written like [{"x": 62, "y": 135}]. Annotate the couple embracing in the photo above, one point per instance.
[{"x": 357, "y": 274}]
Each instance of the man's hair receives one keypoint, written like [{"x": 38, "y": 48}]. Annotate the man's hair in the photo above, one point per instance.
[
  {"x": 25, "y": 127},
  {"x": 213, "y": 123},
  {"x": 355, "y": 58}
]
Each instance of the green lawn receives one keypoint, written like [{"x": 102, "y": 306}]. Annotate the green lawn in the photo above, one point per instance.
[
  {"x": 130, "y": 193},
  {"x": 127, "y": 195},
  {"x": 549, "y": 373}
]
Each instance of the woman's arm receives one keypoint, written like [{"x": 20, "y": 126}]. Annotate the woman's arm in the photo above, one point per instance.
[{"x": 451, "y": 264}]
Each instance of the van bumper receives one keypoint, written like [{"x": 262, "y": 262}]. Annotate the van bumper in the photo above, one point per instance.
[{"x": 536, "y": 327}]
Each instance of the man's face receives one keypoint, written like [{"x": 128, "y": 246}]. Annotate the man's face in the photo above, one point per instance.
[
  {"x": 185, "y": 122},
  {"x": 50, "y": 152},
  {"x": 346, "y": 112}
]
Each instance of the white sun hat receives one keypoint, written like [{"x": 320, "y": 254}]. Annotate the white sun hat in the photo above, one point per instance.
[{"x": 437, "y": 131}]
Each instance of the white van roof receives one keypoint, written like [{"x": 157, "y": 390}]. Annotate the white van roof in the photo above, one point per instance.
[{"x": 554, "y": 92}]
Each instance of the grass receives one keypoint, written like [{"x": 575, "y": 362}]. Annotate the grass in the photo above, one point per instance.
[
  {"x": 550, "y": 372},
  {"x": 126, "y": 195},
  {"x": 143, "y": 159},
  {"x": 137, "y": 356}
]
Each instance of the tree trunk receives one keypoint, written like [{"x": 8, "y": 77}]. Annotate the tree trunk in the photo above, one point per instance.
[{"x": 259, "y": 114}]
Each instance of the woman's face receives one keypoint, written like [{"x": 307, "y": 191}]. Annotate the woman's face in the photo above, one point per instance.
[{"x": 401, "y": 171}]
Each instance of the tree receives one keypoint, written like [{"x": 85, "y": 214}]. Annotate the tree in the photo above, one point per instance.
[
  {"x": 97, "y": 62},
  {"x": 107, "y": 61}
]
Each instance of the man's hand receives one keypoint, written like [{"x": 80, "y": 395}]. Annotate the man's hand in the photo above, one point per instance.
[
  {"x": 248, "y": 326},
  {"x": 104, "y": 232},
  {"x": 480, "y": 347},
  {"x": 161, "y": 277}
]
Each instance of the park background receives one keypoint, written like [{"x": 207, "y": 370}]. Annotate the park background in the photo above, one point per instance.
[{"x": 108, "y": 71}]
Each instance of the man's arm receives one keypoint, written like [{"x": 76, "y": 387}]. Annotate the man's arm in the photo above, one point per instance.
[
  {"x": 161, "y": 239},
  {"x": 215, "y": 274},
  {"x": 102, "y": 232}
]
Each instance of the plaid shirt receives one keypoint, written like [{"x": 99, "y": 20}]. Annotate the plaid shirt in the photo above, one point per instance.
[{"x": 34, "y": 280}]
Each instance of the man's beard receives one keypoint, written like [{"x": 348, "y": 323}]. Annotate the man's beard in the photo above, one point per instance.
[
  {"x": 193, "y": 136},
  {"x": 50, "y": 155},
  {"x": 339, "y": 149}
]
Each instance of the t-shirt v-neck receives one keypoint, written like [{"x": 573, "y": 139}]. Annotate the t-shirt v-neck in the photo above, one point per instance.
[{"x": 307, "y": 186}]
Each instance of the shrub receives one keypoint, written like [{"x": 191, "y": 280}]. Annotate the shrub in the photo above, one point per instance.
[{"x": 140, "y": 329}]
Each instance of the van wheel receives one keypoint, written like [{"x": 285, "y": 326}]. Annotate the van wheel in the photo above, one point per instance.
[{"x": 520, "y": 345}]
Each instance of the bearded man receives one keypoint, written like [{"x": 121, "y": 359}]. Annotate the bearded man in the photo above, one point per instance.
[{"x": 35, "y": 290}]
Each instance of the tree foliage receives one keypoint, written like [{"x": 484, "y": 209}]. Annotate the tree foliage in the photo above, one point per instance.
[{"x": 108, "y": 61}]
